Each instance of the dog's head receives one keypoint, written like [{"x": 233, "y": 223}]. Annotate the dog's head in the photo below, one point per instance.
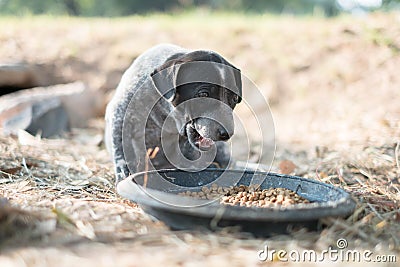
[{"x": 212, "y": 87}]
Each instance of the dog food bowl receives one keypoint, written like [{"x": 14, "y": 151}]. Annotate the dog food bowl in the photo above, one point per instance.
[{"x": 160, "y": 199}]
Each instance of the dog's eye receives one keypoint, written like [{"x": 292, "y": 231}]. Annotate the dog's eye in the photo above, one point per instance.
[
  {"x": 203, "y": 94},
  {"x": 236, "y": 99}
]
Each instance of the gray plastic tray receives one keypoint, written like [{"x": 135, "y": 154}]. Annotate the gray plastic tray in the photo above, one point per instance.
[{"x": 160, "y": 200}]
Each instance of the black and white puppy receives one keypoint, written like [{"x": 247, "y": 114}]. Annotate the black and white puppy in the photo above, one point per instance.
[{"x": 178, "y": 100}]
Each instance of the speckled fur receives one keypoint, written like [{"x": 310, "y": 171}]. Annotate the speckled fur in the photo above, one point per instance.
[{"x": 136, "y": 86}]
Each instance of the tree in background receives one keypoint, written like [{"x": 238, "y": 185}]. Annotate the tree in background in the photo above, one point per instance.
[
  {"x": 72, "y": 7},
  {"x": 128, "y": 7}
]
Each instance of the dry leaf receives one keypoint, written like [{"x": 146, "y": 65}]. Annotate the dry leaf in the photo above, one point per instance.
[
  {"x": 11, "y": 171},
  {"x": 23, "y": 186},
  {"x": 86, "y": 229},
  {"x": 63, "y": 219},
  {"x": 287, "y": 167},
  {"x": 381, "y": 224},
  {"x": 80, "y": 182},
  {"x": 26, "y": 139}
]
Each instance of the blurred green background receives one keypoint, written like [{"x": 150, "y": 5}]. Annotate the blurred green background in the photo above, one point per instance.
[{"x": 128, "y": 7}]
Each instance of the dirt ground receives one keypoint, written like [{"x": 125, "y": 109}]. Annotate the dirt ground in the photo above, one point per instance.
[{"x": 333, "y": 88}]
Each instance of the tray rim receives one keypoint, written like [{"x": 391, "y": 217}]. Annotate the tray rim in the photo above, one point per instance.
[{"x": 299, "y": 212}]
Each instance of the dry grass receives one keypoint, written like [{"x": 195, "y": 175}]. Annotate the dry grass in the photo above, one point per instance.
[
  {"x": 62, "y": 200},
  {"x": 333, "y": 86}
]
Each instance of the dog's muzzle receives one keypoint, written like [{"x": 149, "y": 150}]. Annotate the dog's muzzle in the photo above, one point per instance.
[{"x": 196, "y": 139}]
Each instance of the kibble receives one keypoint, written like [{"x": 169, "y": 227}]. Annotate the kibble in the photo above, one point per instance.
[{"x": 248, "y": 196}]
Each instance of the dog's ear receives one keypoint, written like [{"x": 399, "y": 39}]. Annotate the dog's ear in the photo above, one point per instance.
[
  {"x": 164, "y": 77},
  {"x": 238, "y": 80}
]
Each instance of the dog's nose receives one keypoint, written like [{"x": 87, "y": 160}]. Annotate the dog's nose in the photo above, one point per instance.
[{"x": 223, "y": 134}]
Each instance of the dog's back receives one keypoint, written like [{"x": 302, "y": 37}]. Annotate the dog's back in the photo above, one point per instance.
[
  {"x": 132, "y": 80},
  {"x": 137, "y": 73}
]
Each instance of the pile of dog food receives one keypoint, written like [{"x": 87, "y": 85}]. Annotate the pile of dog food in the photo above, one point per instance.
[{"x": 249, "y": 196}]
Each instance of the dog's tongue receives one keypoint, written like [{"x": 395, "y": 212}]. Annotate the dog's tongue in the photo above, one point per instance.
[{"x": 205, "y": 142}]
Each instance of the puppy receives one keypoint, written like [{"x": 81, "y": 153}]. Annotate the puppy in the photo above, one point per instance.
[{"x": 178, "y": 100}]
